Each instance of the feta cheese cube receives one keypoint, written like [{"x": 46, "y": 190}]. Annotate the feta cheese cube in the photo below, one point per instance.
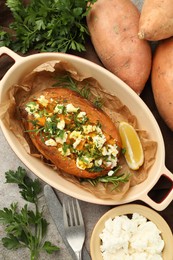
[
  {"x": 71, "y": 109},
  {"x": 43, "y": 101},
  {"x": 50, "y": 142}
]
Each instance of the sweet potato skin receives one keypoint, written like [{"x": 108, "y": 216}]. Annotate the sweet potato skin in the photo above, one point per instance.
[
  {"x": 51, "y": 153},
  {"x": 162, "y": 80},
  {"x": 113, "y": 26},
  {"x": 156, "y": 20}
]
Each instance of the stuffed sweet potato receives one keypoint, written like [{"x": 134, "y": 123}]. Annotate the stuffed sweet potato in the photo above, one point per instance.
[{"x": 70, "y": 132}]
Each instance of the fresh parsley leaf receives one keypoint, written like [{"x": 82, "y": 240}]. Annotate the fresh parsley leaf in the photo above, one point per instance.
[
  {"x": 47, "y": 25},
  {"x": 11, "y": 242},
  {"x": 49, "y": 248},
  {"x": 15, "y": 177},
  {"x": 29, "y": 188},
  {"x": 7, "y": 215},
  {"x": 24, "y": 227}
]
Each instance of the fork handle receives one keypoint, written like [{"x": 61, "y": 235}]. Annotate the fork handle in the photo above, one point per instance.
[{"x": 78, "y": 255}]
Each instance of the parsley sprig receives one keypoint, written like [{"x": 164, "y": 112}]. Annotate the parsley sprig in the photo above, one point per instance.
[
  {"x": 25, "y": 228},
  {"x": 47, "y": 25}
]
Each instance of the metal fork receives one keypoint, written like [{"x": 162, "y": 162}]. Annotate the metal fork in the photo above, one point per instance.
[{"x": 74, "y": 226}]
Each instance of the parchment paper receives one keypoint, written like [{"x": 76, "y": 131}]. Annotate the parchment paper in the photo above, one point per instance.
[{"x": 45, "y": 76}]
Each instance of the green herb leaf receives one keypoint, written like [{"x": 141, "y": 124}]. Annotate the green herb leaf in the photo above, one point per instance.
[
  {"x": 15, "y": 177},
  {"x": 29, "y": 188},
  {"x": 114, "y": 179},
  {"x": 7, "y": 214},
  {"x": 47, "y": 25},
  {"x": 66, "y": 81},
  {"x": 11, "y": 242},
  {"x": 25, "y": 228},
  {"x": 49, "y": 247}
]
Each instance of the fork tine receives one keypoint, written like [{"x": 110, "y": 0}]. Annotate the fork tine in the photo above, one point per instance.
[
  {"x": 70, "y": 213},
  {"x": 75, "y": 213},
  {"x": 65, "y": 215},
  {"x": 74, "y": 225},
  {"x": 81, "y": 222}
]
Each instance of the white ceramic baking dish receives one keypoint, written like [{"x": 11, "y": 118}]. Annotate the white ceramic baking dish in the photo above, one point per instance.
[{"x": 146, "y": 120}]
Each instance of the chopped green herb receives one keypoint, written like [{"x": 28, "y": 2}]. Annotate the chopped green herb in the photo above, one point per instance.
[
  {"x": 98, "y": 102},
  {"x": 66, "y": 81},
  {"x": 96, "y": 169},
  {"x": 114, "y": 179},
  {"x": 25, "y": 228}
]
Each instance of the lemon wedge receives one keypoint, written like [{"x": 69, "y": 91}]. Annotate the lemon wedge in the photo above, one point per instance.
[{"x": 134, "y": 154}]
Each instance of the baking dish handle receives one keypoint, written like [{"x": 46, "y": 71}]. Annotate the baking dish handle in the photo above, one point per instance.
[
  {"x": 10, "y": 53},
  {"x": 167, "y": 199}
]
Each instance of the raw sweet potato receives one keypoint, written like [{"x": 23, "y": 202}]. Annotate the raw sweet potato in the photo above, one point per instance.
[
  {"x": 113, "y": 26},
  {"x": 162, "y": 80},
  {"x": 156, "y": 20},
  {"x": 70, "y": 132}
]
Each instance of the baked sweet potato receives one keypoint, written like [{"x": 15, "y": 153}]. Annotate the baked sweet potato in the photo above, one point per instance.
[
  {"x": 156, "y": 20},
  {"x": 162, "y": 80},
  {"x": 113, "y": 26},
  {"x": 69, "y": 131}
]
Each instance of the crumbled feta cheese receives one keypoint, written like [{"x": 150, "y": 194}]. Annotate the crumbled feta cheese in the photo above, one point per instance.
[
  {"x": 88, "y": 128},
  {"x": 112, "y": 150},
  {"x": 65, "y": 153},
  {"x": 98, "y": 162},
  {"x": 71, "y": 109},
  {"x": 59, "y": 108},
  {"x": 99, "y": 141},
  {"x": 31, "y": 108},
  {"x": 48, "y": 119},
  {"x": 81, "y": 114},
  {"x": 36, "y": 115},
  {"x": 77, "y": 142},
  {"x": 43, "y": 101},
  {"x": 104, "y": 151},
  {"x": 84, "y": 162},
  {"x": 61, "y": 124},
  {"x": 110, "y": 173},
  {"x": 61, "y": 139},
  {"x": 98, "y": 130},
  {"x": 50, "y": 142},
  {"x": 111, "y": 161},
  {"x": 75, "y": 134},
  {"x": 131, "y": 239}
]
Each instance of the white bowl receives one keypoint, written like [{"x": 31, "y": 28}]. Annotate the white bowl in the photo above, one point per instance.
[
  {"x": 150, "y": 214},
  {"x": 146, "y": 120}
]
